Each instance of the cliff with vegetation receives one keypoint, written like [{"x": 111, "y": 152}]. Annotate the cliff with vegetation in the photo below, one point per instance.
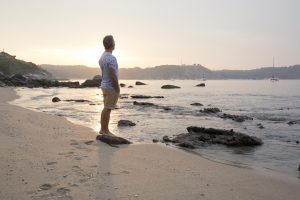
[{"x": 9, "y": 66}]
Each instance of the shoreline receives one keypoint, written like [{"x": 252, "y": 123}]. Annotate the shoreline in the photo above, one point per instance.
[{"x": 52, "y": 157}]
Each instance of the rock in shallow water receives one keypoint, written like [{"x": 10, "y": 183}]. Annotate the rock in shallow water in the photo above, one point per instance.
[
  {"x": 201, "y": 85},
  {"x": 145, "y": 97},
  {"x": 237, "y": 118},
  {"x": 55, "y": 99},
  {"x": 210, "y": 110},
  {"x": 198, "y": 136},
  {"x": 169, "y": 87},
  {"x": 140, "y": 83},
  {"x": 125, "y": 123},
  {"x": 196, "y": 104}
]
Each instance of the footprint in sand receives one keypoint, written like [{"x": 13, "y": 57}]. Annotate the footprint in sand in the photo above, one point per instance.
[{"x": 46, "y": 186}]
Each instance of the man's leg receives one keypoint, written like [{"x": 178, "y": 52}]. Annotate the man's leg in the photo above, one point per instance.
[{"x": 105, "y": 116}]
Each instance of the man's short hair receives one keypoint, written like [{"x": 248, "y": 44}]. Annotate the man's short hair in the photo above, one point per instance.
[{"x": 108, "y": 41}]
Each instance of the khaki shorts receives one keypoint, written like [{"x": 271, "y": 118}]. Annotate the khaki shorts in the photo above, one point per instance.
[{"x": 110, "y": 98}]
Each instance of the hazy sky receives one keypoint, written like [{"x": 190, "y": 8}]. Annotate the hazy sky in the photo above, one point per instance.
[{"x": 219, "y": 34}]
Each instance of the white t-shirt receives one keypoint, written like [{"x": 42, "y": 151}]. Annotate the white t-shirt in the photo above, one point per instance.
[{"x": 107, "y": 61}]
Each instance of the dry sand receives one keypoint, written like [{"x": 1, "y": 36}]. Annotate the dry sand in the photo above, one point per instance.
[{"x": 47, "y": 157}]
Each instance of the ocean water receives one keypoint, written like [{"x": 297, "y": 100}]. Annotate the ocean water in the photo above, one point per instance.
[{"x": 273, "y": 104}]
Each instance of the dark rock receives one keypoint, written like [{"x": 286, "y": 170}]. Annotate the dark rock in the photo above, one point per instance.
[
  {"x": 97, "y": 77},
  {"x": 187, "y": 145},
  {"x": 200, "y": 85},
  {"x": 297, "y": 142},
  {"x": 140, "y": 83},
  {"x": 166, "y": 108},
  {"x": 143, "y": 103},
  {"x": 55, "y": 99},
  {"x": 259, "y": 125},
  {"x": 122, "y": 85},
  {"x": 293, "y": 122},
  {"x": 169, "y": 87},
  {"x": 19, "y": 77},
  {"x": 125, "y": 123},
  {"x": 196, "y": 104},
  {"x": 130, "y": 86},
  {"x": 145, "y": 97},
  {"x": 237, "y": 118},
  {"x": 210, "y": 110},
  {"x": 155, "y": 140},
  {"x": 198, "y": 136},
  {"x": 166, "y": 139},
  {"x": 299, "y": 168},
  {"x": 77, "y": 100},
  {"x": 112, "y": 140},
  {"x": 91, "y": 83}
]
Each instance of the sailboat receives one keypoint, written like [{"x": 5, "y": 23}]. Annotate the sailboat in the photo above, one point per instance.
[
  {"x": 203, "y": 77},
  {"x": 273, "y": 78}
]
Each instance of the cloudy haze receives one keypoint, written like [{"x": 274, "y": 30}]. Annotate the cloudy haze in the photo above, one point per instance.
[{"x": 223, "y": 34}]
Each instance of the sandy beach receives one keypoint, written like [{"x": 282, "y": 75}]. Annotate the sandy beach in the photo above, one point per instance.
[{"x": 47, "y": 157}]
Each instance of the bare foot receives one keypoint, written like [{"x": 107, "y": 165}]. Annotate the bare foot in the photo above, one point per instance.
[{"x": 107, "y": 133}]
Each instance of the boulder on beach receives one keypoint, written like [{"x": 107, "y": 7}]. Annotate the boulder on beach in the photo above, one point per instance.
[
  {"x": 237, "y": 118},
  {"x": 126, "y": 123},
  {"x": 130, "y": 86},
  {"x": 145, "y": 97},
  {"x": 140, "y": 83},
  {"x": 112, "y": 140},
  {"x": 199, "y": 136},
  {"x": 210, "y": 110},
  {"x": 55, "y": 99},
  {"x": 170, "y": 87},
  {"x": 196, "y": 104},
  {"x": 122, "y": 85},
  {"x": 200, "y": 85}
]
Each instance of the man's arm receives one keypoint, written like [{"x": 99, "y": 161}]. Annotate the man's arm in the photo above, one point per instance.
[{"x": 114, "y": 79}]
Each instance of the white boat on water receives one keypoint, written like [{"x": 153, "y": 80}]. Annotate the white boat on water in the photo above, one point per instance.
[{"x": 274, "y": 78}]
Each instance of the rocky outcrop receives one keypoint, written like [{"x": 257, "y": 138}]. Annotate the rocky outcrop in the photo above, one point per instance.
[
  {"x": 126, "y": 123},
  {"x": 210, "y": 110},
  {"x": 170, "y": 87},
  {"x": 237, "y": 118},
  {"x": 200, "y": 85},
  {"x": 95, "y": 82},
  {"x": 140, "y": 83},
  {"x": 145, "y": 97},
  {"x": 19, "y": 80},
  {"x": 199, "y": 136}
]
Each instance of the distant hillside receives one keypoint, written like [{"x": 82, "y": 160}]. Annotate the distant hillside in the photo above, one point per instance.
[
  {"x": 177, "y": 72},
  {"x": 9, "y": 65},
  {"x": 71, "y": 71},
  {"x": 166, "y": 72},
  {"x": 292, "y": 72}
]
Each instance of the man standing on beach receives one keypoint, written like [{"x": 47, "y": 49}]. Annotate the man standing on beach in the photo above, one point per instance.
[{"x": 110, "y": 84}]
